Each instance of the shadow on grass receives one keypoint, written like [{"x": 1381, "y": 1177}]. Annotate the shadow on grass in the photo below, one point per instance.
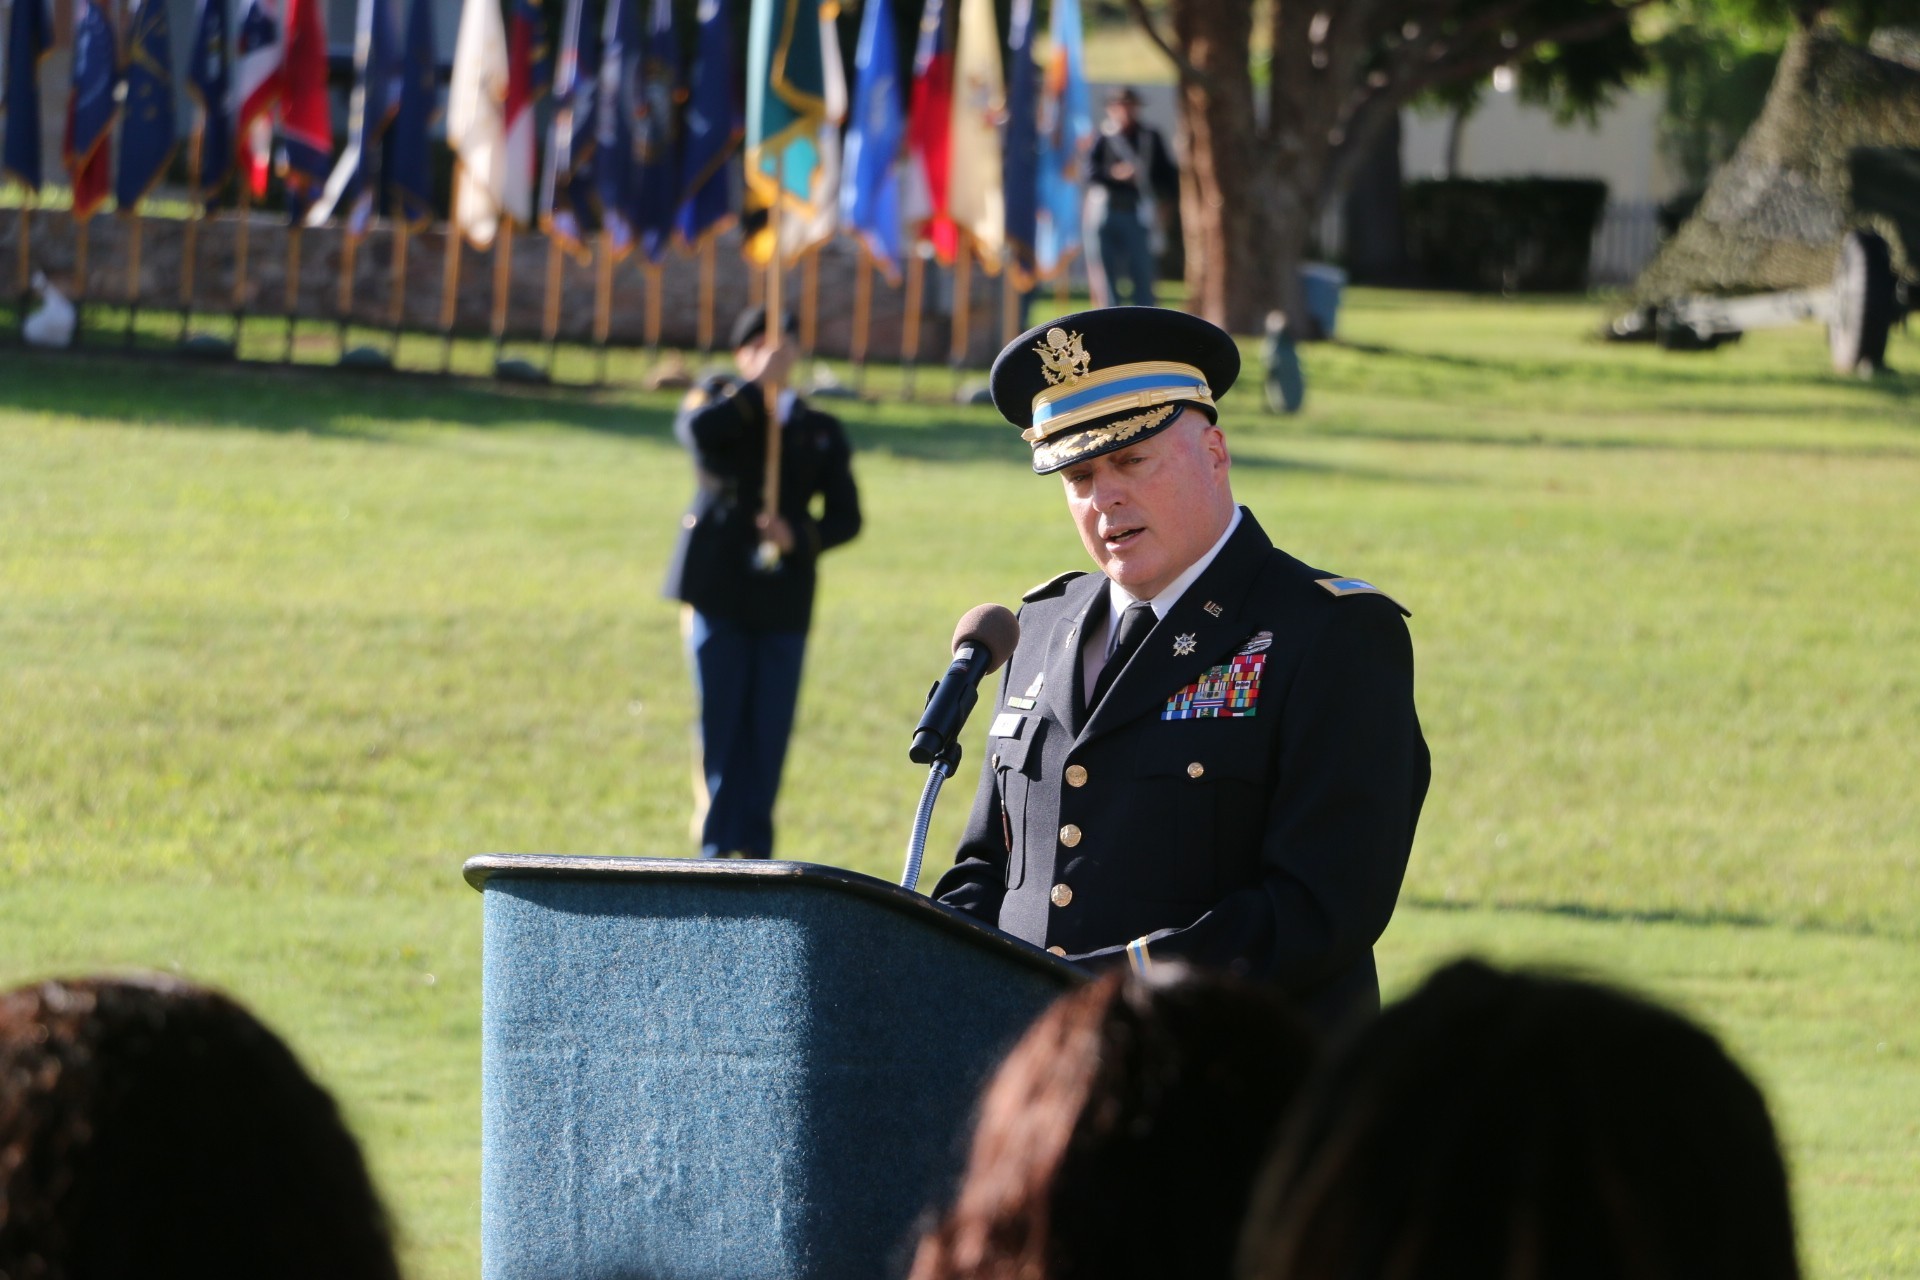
[
  {"x": 157, "y": 387},
  {"x": 1660, "y": 915},
  {"x": 1678, "y": 369},
  {"x": 169, "y": 390}
]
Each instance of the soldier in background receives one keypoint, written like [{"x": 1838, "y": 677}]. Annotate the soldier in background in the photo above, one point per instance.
[
  {"x": 747, "y": 613},
  {"x": 1130, "y": 173}
]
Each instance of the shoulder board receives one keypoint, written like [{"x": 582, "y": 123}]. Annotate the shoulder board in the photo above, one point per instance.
[
  {"x": 1359, "y": 587},
  {"x": 1052, "y": 586}
]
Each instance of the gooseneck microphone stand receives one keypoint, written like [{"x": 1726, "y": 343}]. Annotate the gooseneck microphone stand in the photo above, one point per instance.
[{"x": 938, "y": 772}]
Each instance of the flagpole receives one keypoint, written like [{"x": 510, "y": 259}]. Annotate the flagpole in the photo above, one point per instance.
[
  {"x": 292, "y": 307},
  {"x": 450, "y": 278},
  {"x": 767, "y": 558},
  {"x": 23, "y": 269},
  {"x": 603, "y": 301},
  {"x": 862, "y": 313},
  {"x": 133, "y": 272},
  {"x": 550, "y": 320},
  {"x": 349, "y": 253},
  {"x": 706, "y": 292},
  {"x": 240, "y": 237},
  {"x": 502, "y": 281},
  {"x": 652, "y": 272},
  {"x": 962, "y": 307},
  {"x": 397, "y": 290},
  {"x": 910, "y": 329},
  {"x": 809, "y": 299},
  {"x": 190, "y": 246},
  {"x": 80, "y": 260},
  {"x": 1009, "y": 299}
]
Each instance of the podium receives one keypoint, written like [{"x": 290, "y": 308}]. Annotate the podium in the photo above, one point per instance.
[{"x": 728, "y": 1070}]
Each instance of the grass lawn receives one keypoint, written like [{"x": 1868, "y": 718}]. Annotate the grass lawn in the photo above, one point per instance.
[{"x": 278, "y": 649}]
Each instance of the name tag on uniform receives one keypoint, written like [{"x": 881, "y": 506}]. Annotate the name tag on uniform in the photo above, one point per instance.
[
  {"x": 1027, "y": 702},
  {"x": 1007, "y": 725}
]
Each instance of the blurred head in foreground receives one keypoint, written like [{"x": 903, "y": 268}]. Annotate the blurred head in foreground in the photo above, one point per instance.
[
  {"x": 1122, "y": 1134},
  {"x": 1522, "y": 1126},
  {"x": 152, "y": 1128}
]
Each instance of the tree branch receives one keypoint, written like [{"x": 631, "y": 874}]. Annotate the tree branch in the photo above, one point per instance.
[
  {"x": 1447, "y": 61},
  {"x": 1188, "y": 73}
]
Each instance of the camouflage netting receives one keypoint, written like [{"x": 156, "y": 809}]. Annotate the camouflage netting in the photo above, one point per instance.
[{"x": 1774, "y": 215}]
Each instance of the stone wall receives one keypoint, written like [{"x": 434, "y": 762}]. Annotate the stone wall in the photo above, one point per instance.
[{"x": 54, "y": 239}]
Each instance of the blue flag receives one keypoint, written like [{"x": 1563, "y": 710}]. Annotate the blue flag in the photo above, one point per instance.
[
  {"x": 713, "y": 127},
  {"x": 352, "y": 186},
  {"x": 620, "y": 53},
  {"x": 566, "y": 195},
  {"x": 91, "y": 106},
  {"x": 1066, "y": 135},
  {"x": 409, "y": 160},
  {"x": 210, "y": 80},
  {"x": 876, "y": 140},
  {"x": 1020, "y": 158},
  {"x": 29, "y": 39},
  {"x": 148, "y": 134},
  {"x": 656, "y": 136}
]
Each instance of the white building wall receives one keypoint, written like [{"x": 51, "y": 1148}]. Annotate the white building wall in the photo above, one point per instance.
[{"x": 1507, "y": 138}]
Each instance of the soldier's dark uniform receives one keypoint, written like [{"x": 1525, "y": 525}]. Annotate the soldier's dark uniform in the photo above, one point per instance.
[
  {"x": 1243, "y": 796},
  {"x": 749, "y": 626}
]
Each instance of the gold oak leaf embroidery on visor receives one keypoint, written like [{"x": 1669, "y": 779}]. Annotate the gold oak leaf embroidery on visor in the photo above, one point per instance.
[{"x": 1050, "y": 452}]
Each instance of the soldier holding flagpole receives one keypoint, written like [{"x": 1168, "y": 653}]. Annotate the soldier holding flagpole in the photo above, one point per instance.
[{"x": 763, "y": 458}]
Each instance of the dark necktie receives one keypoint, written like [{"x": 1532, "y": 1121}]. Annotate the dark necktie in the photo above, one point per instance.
[{"x": 1135, "y": 622}]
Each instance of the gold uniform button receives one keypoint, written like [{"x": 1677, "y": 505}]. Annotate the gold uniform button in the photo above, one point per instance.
[
  {"x": 1069, "y": 835},
  {"x": 1076, "y": 776},
  {"x": 1062, "y": 895},
  {"x": 1056, "y": 951},
  {"x": 1195, "y": 769}
]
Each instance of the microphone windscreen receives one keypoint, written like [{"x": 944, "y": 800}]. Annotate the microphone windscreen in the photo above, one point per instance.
[{"x": 991, "y": 626}]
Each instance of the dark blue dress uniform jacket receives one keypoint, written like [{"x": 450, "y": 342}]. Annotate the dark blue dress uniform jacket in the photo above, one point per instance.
[
  {"x": 723, "y": 425},
  {"x": 1271, "y": 844}
]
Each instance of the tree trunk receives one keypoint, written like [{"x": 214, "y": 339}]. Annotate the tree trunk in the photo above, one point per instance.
[
  {"x": 1244, "y": 228},
  {"x": 1456, "y": 131},
  {"x": 1374, "y": 228}
]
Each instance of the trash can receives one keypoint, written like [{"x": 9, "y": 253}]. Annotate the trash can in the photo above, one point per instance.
[{"x": 1320, "y": 286}]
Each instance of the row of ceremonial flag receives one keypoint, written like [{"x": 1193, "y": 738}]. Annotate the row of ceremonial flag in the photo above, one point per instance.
[{"x": 975, "y": 150}]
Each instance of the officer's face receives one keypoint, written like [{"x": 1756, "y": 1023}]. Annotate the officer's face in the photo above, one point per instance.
[{"x": 1148, "y": 511}]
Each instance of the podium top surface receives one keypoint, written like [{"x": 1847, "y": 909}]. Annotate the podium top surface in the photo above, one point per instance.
[{"x": 485, "y": 868}]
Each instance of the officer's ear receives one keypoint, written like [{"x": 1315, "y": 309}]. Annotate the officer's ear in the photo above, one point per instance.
[{"x": 1214, "y": 440}]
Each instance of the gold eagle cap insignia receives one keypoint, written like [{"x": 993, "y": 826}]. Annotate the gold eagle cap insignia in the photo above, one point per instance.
[{"x": 1062, "y": 358}]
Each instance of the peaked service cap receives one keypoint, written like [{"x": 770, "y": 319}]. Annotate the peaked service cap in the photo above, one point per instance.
[{"x": 1095, "y": 381}]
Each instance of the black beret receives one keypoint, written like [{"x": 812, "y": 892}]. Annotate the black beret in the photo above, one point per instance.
[
  {"x": 1089, "y": 383},
  {"x": 752, "y": 324}
]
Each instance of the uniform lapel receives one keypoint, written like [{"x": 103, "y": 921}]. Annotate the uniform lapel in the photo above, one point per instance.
[
  {"x": 1063, "y": 650},
  {"x": 1159, "y": 669}
]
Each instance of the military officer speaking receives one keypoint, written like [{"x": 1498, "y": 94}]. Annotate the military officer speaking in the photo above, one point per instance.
[{"x": 1207, "y": 750}]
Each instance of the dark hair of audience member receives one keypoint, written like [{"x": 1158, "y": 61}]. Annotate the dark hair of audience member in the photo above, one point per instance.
[
  {"x": 152, "y": 1128},
  {"x": 1525, "y": 1127},
  {"x": 1122, "y": 1134}
]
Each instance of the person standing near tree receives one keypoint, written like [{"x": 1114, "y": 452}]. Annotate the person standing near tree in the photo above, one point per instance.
[
  {"x": 1130, "y": 172},
  {"x": 747, "y": 613}
]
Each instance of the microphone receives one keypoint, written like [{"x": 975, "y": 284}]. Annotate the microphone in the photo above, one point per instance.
[{"x": 982, "y": 641}]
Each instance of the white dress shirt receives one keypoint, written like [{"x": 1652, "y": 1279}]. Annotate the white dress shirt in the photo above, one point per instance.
[{"x": 1098, "y": 645}]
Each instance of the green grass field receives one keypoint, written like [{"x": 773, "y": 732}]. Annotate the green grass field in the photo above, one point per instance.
[{"x": 278, "y": 649}]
